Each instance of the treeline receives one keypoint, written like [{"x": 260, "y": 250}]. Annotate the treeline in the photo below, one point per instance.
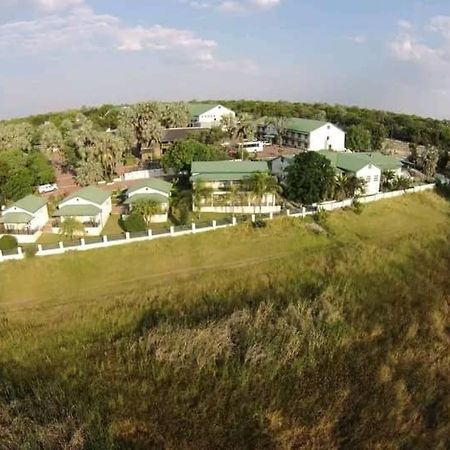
[{"x": 381, "y": 124}]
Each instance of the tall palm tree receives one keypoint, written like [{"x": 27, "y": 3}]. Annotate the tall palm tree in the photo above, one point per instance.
[
  {"x": 201, "y": 191},
  {"x": 71, "y": 227},
  {"x": 234, "y": 193},
  {"x": 245, "y": 130},
  {"x": 280, "y": 125},
  {"x": 260, "y": 184}
]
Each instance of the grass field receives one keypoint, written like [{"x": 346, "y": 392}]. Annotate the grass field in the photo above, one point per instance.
[{"x": 240, "y": 338}]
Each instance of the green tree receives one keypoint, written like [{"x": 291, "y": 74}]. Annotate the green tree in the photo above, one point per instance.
[
  {"x": 200, "y": 192},
  {"x": 109, "y": 150},
  {"x": 430, "y": 158},
  {"x": 89, "y": 171},
  {"x": 229, "y": 126},
  {"x": 71, "y": 227},
  {"x": 260, "y": 184},
  {"x": 50, "y": 138},
  {"x": 310, "y": 178},
  {"x": 175, "y": 115},
  {"x": 146, "y": 209},
  {"x": 234, "y": 195},
  {"x": 41, "y": 168},
  {"x": 387, "y": 180},
  {"x": 358, "y": 138},
  {"x": 18, "y": 136},
  {"x": 279, "y": 124},
  {"x": 182, "y": 153}
]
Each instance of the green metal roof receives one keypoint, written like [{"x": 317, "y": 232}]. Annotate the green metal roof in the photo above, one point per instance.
[
  {"x": 220, "y": 176},
  {"x": 349, "y": 162},
  {"x": 30, "y": 203},
  {"x": 248, "y": 167},
  {"x": 16, "y": 217},
  {"x": 91, "y": 194},
  {"x": 304, "y": 125},
  {"x": 384, "y": 162},
  {"x": 152, "y": 183},
  {"x": 154, "y": 197},
  {"x": 197, "y": 109},
  {"x": 77, "y": 211}
]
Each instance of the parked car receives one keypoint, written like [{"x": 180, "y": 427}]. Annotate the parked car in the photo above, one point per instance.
[{"x": 46, "y": 188}]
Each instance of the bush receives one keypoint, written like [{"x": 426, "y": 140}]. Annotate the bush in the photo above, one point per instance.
[
  {"x": 259, "y": 223},
  {"x": 30, "y": 252},
  {"x": 358, "y": 207},
  {"x": 8, "y": 243},
  {"x": 321, "y": 218},
  {"x": 134, "y": 223}
]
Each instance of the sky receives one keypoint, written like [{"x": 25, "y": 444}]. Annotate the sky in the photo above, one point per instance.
[{"x": 387, "y": 54}]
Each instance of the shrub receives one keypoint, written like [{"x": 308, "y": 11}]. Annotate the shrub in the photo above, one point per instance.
[
  {"x": 358, "y": 207},
  {"x": 8, "y": 243},
  {"x": 321, "y": 218},
  {"x": 134, "y": 223},
  {"x": 30, "y": 252},
  {"x": 259, "y": 223}
]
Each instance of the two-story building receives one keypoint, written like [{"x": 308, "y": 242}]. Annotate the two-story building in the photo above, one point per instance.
[
  {"x": 208, "y": 115},
  {"x": 90, "y": 206},
  {"x": 25, "y": 219},
  {"x": 305, "y": 134},
  {"x": 228, "y": 183}
]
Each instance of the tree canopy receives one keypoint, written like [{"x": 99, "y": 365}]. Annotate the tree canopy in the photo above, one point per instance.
[{"x": 310, "y": 178}]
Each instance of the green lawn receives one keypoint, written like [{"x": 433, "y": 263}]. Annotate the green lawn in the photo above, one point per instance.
[
  {"x": 113, "y": 226},
  {"x": 274, "y": 338}
]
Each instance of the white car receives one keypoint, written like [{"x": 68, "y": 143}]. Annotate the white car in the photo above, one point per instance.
[{"x": 46, "y": 188}]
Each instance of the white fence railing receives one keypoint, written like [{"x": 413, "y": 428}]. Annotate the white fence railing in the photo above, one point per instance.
[{"x": 127, "y": 238}]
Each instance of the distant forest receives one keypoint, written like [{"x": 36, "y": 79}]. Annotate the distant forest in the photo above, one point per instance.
[{"x": 380, "y": 124}]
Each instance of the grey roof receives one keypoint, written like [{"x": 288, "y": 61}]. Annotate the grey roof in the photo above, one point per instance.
[
  {"x": 91, "y": 194},
  {"x": 30, "y": 203}
]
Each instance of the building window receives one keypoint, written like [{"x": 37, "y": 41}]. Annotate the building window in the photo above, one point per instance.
[
  {"x": 368, "y": 179},
  {"x": 376, "y": 178}
]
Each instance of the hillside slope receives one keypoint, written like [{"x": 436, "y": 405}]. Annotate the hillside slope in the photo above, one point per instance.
[{"x": 277, "y": 338}]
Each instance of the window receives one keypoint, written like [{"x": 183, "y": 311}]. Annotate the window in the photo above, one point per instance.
[
  {"x": 368, "y": 179},
  {"x": 376, "y": 178}
]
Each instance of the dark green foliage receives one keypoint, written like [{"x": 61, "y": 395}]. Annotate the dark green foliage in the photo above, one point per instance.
[
  {"x": 19, "y": 183},
  {"x": 259, "y": 223},
  {"x": 8, "y": 243},
  {"x": 41, "y": 168},
  {"x": 310, "y": 178},
  {"x": 181, "y": 154},
  {"x": 134, "y": 223},
  {"x": 358, "y": 138}
]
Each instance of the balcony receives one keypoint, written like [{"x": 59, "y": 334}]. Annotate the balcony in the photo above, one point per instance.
[{"x": 19, "y": 232}]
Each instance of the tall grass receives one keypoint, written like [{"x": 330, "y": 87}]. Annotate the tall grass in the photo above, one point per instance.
[{"x": 343, "y": 347}]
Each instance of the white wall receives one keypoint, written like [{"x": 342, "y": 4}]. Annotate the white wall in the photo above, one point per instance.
[
  {"x": 106, "y": 207},
  {"x": 318, "y": 138},
  {"x": 372, "y": 176},
  {"x": 214, "y": 116},
  {"x": 40, "y": 218},
  {"x": 148, "y": 190}
]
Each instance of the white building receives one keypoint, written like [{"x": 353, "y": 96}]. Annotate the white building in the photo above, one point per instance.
[
  {"x": 208, "y": 115},
  {"x": 25, "y": 219},
  {"x": 366, "y": 166},
  {"x": 91, "y": 206},
  {"x": 152, "y": 189},
  {"x": 229, "y": 191},
  {"x": 305, "y": 134}
]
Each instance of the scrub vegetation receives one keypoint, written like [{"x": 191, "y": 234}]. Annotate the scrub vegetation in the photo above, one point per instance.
[{"x": 271, "y": 338}]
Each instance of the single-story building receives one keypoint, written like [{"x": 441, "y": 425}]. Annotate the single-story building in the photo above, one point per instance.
[
  {"x": 220, "y": 177},
  {"x": 305, "y": 134},
  {"x": 25, "y": 219},
  {"x": 151, "y": 189},
  {"x": 208, "y": 115},
  {"x": 91, "y": 206}
]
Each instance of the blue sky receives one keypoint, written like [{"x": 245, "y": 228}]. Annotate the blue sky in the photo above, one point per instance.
[{"x": 57, "y": 54}]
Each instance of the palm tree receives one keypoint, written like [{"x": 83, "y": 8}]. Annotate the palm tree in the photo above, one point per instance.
[
  {"x": 200, "y": 192},
  {"x": 387, "y": 180},
  {"x": 71, "y": 227},
  {"x": 147, "y": 209},
  {"x": 229, "y": 126},
  {"x": 401, "y": 183},
  {"x": 245, "y": 130},
  {"x": 355, "y": 186},
  {"x": 234, "y": 193},
  {"x": 341, "y": 186},
  {"x": 260, "y": 184},
  {"x": 280, "y": 125}
]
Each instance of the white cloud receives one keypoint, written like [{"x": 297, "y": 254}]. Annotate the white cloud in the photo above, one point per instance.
[
  {"x": 80, "y": 28},
  {"x": 359, "y": 39},
  {"x": 233, "y": 6}
]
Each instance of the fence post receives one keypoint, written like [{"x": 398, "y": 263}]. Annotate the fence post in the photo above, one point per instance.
[
  {"x": 271, "y": 215},
  {"x": 1, "y": 256},
  {"x": 20, "y": 251},
  {"x": 234, "y": 222},
  {"x": 253, "y": 218},
  {"x": 39, "y": 248},
  {"x": 83, "y": 242},
  {"x": 193, "y": 227},
  {"x": 150, "y": 233},
  {"x": 105, "y": 239},
  {"x": 61, "y": 245},
  {"x": 214, "y": 224},
  {"x": 172, "y": 230},
  {"x": 288, "y": 212},
  {"x": 127, "y": 236},
  {"x": 303, "y": 212}
]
